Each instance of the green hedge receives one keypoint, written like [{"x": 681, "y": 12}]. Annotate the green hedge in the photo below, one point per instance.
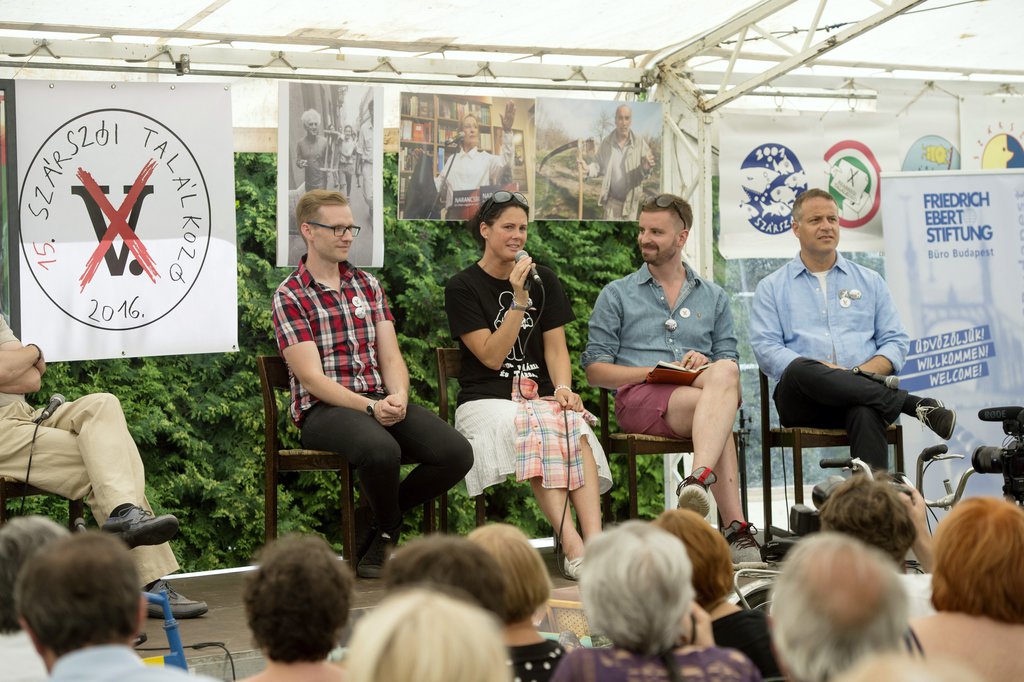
[{"x": 198, "y": 418}]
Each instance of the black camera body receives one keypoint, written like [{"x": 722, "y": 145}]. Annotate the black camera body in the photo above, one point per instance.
[{"x": 1009, "y": 459}]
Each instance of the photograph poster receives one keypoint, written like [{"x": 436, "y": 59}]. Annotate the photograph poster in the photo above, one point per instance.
[
  {"x": 330, "y": 137},
  {"x": 455, "y": 151},
  {"x": 596, "y": 160}
]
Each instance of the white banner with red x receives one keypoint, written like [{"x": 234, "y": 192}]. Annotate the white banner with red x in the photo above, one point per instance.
[{"x": 127, "y": 219}]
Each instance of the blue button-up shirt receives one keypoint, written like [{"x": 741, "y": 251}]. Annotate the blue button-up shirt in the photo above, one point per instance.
[
  {"x": 628, "y": 325},
  {"x": 790, "y": 318}
]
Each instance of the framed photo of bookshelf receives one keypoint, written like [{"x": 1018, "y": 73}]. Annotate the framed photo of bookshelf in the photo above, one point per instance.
[{"x": 455, "y": 151}]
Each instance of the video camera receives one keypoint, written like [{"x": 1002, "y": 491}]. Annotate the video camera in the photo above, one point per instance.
[{"x": 1009, "y": 459}]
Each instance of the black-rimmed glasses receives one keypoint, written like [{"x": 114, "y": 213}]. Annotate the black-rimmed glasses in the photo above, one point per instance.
[
  {"x": 338, "y": 230},
  {"x": 665, "y": 201}
]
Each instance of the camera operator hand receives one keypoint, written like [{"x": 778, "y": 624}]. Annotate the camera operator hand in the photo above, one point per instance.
[{"x": 922, "y": 537}]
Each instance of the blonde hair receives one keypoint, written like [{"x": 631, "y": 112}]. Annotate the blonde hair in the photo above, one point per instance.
[
  {"x": 527, "y": 585},
  {"x": 418, "y": 635}
]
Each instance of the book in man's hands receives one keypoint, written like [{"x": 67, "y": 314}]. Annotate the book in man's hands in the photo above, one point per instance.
[{"x": 667, "y": 373}]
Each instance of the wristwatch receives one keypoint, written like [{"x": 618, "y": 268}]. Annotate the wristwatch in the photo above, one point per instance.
[
  {"x": 369, "y": 409},
  {"x": 528, "y": 306}
]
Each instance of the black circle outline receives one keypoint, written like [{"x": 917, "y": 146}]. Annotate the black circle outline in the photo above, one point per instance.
[{"x": 206, "y": 190}]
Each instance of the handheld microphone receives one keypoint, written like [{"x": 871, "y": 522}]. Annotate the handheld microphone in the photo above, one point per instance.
[
  {"x": 520, "y": 255},
  {"x": 889, "y": 380},
  {"x": 56, "y": 400}
]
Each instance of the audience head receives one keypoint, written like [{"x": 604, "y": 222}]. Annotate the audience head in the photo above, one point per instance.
[
  {"x": 451, "y": 562},
  {"x": 20, "y": 539},
  {"x": 525, "y": 577},
  {"x": 491, "y": 212},
  {"x": 871, "y": 511},
  {"x": 297, "y": 601},
  {"x": 979, "y": 555},
  {"x": 836, "y": 601},
  {"x": 79, "y": 591},
  {"x": 422, "y": 635},
  {"x": 708, "y": 552},
  {"x": 636, "y": 587},
  {"x": 906, "y": 668}
]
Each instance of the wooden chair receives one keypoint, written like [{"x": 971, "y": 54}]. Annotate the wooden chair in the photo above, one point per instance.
[
  {"x": 273, "y": 378},
  {"x": 11, "y": 489},
  {"x": 799, "y": 438},
  {"x": 449, "y": 366},
  {"x": 633, "y": 445}
]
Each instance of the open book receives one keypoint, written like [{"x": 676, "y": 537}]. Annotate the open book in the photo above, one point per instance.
[{"x": 667, "y": 373}]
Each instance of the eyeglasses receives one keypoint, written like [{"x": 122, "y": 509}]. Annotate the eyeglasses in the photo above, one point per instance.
[
  {"x": 504, "y": 196},
  {"x": 666, "y": 200},
  {"x": 339, "y": 230}
]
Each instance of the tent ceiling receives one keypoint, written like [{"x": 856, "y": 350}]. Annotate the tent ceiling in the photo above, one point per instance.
[{"x": 567, "y": 44}]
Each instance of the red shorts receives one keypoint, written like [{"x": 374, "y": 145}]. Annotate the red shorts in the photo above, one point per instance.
[{"x": 641, "y": 408}]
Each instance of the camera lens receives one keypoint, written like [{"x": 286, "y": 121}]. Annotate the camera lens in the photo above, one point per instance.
[{"x": 987, "y": 459}]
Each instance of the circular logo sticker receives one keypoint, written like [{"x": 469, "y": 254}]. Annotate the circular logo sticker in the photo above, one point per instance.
[
  {"x": 771, "y": 177},
  {"x": 931, "y": 153},
  {"x": 853, "y": 181},
  {"x": 115, "y": 219}
]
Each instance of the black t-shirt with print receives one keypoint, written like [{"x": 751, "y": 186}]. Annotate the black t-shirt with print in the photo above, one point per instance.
[{"x": 475, "y": 300}]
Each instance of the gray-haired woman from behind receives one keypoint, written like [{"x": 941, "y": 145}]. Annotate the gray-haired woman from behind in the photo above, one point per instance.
[{"x": 637, "y": 592}]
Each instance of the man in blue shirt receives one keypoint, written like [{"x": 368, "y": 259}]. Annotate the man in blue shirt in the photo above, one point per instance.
[
  {"x": 665, "y": 312},
  {"x": 818, "y": 318}
]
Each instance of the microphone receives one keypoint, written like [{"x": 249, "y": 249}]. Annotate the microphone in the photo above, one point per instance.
[
  {"x": 456, "y": 141},
  {"x": 997, "y": 414},
  {"x": 56, "y": 400},
  {"x": 889, "y": 380},
  {"x": 520, "y": 255}
]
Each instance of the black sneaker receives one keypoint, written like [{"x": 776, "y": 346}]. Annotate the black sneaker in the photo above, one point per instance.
[
  {"x": 940, "y": 419},
  {"x": 136, "y": 526},
  {"x": 371, "y": 565},
  {"x": 742, "y": 545},
  {"x": 181, "y": 606}
]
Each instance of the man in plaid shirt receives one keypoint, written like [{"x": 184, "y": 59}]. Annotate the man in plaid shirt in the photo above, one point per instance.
[{"x": 350, "y": 385}]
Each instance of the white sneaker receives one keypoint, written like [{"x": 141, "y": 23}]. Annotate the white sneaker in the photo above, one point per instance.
[{"x": 572, "y": 567}]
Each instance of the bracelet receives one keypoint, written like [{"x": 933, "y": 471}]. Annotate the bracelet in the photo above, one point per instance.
[
  {"x": 559, "y": 387},
  {"x": 527, "y": 306}
]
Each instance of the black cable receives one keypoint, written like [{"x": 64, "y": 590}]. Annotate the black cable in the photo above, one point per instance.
[
  {"x": 559, "y": 550},
  {"x": 198, "y": 645},
  {"x": 28, "y": 469}
]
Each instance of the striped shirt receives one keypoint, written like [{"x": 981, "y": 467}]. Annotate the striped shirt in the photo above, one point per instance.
[{"x": 342, "y": 324}]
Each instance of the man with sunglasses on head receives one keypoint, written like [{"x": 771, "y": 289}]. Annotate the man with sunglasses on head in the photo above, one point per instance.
[
  {"x": 665, "y": 312},
  {"x": 350, "y": 385},
  {"x": 817, "y": 323}
]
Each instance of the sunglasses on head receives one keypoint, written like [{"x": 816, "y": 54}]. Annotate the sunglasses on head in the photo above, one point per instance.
[
  {"x": 503, "y": 197},
  {"x": 664, "y": 201}
]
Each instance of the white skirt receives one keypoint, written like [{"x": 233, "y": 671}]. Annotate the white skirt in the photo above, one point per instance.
[{"x": 489, "y": 426}]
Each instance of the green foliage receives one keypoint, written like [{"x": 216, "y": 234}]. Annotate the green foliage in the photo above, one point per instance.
[{"x": 197, "y": 419}]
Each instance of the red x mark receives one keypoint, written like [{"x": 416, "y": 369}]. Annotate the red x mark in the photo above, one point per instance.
[{"x": 118, "y": 225}]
